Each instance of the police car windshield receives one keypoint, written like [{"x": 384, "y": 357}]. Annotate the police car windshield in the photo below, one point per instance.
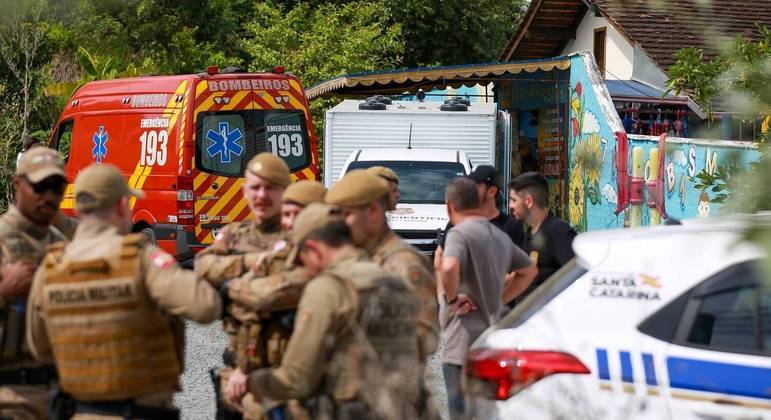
[
  {"x": 227, "y": 140},
  {"x": 420, "y": 182}
]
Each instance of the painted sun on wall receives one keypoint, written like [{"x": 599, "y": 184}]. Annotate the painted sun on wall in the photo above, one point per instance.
[{"x": 616, "y": 181}]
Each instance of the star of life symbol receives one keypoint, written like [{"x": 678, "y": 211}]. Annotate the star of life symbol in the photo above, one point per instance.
[
  {"x": 100, "y": 144},
  {"x": 224, "y": 142}
]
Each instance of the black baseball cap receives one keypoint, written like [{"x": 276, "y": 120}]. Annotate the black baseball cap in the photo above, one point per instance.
[{"x": 485, "y": 174}]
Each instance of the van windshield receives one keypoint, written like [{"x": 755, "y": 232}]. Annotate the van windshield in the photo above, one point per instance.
[
  {"x": 419, "y": 182},
  {"x": 227, "y": 140}
]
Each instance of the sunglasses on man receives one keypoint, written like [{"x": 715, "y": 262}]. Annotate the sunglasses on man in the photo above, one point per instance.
[{"x": 55, "y": 184}]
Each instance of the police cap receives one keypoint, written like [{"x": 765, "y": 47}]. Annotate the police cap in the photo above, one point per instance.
[
  {"x": 100, "y": 186},
  {"x": 304, "y": 192},
  {"x": 357, "y": 188},
  {"x": 271, "y": 167},
  {"x": 39, "y": 163},
  {"x": 312, "y": 218},
  {"x": 386, "y": 173}
]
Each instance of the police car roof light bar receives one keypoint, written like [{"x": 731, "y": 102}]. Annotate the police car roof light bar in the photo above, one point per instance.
[{"x": 514, "y": 370}]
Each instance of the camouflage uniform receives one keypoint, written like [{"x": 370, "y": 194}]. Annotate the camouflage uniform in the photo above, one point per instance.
[
  {"x": 247, "y": 258},
  {"x": 354, "y": 351},
  {"x": 22, "y": 240},
  {"x": 23, "y": 380},
  {"x": 113, "y": 303},
  {"x": 360, "y": 188},
  {"x": 238, "y": 247},
  {"x": 396, "y": 256}
]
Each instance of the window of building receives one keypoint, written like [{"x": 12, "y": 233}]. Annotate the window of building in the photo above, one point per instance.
[{"x": 599, "y": 48}]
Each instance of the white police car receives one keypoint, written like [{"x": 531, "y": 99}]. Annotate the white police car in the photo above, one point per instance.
[{"x": 669, "y": 322}]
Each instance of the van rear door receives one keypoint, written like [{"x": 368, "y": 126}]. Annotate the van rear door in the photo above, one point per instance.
[{"x": 236, "y": 118}]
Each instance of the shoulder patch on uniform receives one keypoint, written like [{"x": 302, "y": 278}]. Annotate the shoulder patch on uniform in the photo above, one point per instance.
[
  {"x": 279, "y": 245},
  {"x": 305, "y": 315},
  {"x": 161, "y": 259}
]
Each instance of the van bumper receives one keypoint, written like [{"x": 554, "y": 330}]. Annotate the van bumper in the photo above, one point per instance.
[{"x": 176, "y": 240}]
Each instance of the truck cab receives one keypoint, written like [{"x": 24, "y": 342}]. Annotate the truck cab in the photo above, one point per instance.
[{"x": 423, "y": 178}]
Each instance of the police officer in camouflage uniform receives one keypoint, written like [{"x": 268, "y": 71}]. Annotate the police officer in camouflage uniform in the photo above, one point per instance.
[
  {"x": 256, "y": 339},
  {"x": 25, "y": 232},
  {"x": 107, "y": 308},
  {"x": 363, "y": 197},
  {"x": 268, "y": 286},
  {"x": 354, "y": 350},
  {"x": 393, "y": 183}
]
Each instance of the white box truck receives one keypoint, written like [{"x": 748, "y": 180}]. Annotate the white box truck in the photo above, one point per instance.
[{"x": 425, "y": 143}]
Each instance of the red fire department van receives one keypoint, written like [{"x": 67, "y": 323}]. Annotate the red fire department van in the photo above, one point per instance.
[{"x": 185, "y": 141}]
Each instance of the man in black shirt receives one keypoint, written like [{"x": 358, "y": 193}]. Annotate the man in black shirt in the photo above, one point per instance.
[
  {"x": 548, "y": 239},
  {"x": 487, "y": 180}
]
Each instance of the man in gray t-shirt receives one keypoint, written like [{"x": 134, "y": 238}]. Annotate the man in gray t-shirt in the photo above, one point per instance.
[{"x": 480, "y": 269}]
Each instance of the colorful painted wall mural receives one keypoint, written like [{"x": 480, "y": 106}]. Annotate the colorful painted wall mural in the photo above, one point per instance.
[{"x": 593, "y": 181}]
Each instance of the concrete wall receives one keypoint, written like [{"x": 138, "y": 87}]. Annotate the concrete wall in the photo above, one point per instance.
[
  {"x": 593, "y": 182},
  {"x": 619, "y": 54}
]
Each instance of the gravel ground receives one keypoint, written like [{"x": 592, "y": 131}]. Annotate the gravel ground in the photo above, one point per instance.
[{"x": 203, "y": 351}]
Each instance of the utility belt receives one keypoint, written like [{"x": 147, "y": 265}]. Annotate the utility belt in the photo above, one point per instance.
[
  {"x": 63, "y": 407},
  {"x": 28, "y": 376},
  {"x": 258, "y": 344}
]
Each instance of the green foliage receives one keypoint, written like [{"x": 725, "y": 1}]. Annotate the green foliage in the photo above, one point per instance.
[
  {"x": 322, "y": 41},
  {"x": 740, "y": 74},
  {"x": 693, "y": 75},
  {"x": 716, "y": 182},
  {"x": 443, "y": 32},
  {"x": 83, "y": 40}
]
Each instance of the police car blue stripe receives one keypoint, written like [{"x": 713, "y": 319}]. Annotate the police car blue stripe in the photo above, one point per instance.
[
  {"x": 650, "y": 371},
  {"x": 723, "y": 378},
  {"x": 627, "y": 373},
  {"x": 602, "y": 364}
]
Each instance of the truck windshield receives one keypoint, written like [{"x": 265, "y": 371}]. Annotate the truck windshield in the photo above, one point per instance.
[
  {"x": 419, "y": 182},
  {"x": 227, "y": 140}
]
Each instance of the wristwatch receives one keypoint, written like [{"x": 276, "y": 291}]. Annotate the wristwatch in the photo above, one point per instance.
[{"x": 450, "y": 302}]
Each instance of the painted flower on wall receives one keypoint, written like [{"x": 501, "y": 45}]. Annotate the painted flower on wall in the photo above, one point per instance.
[
  {"x": 589, "y": 155},
  {"x": 577, "y": 198}
]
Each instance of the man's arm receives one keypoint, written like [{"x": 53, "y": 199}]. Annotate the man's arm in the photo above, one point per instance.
[
  {"x": 37, "y": 336},
  {"x": 522, "y": 272},
  {"x": 518, "y": 281},
  {"x": 180, "y": 292},
  {"x": 449, "y": 277},
  {"x": 303, "y": 363},
  {"x": 269, "y": 293},
  {"x": 217, "y": 263}
]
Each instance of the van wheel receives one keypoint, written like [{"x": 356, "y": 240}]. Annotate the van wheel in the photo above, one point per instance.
[{"x": 150, "y": 235}]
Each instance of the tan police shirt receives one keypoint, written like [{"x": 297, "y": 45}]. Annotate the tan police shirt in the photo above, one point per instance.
[
  {"x": 20, "y": 239},
  {"x": 236, "y": 247},
  {"x": 327, "y": 309},
  {"x": 177, "y": 292},
  {"x": 261, "y": 291},
  {"x": 397, "y": 256}
]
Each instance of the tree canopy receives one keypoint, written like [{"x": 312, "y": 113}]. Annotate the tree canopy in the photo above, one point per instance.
[{"x": 50, "y": 47}]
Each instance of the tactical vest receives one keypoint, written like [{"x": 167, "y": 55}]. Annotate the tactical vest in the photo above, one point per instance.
[
  {"x": 384, "y": 355},
  {"x": 18, "y": 246},
  {"x": 110, "y": 342}
]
